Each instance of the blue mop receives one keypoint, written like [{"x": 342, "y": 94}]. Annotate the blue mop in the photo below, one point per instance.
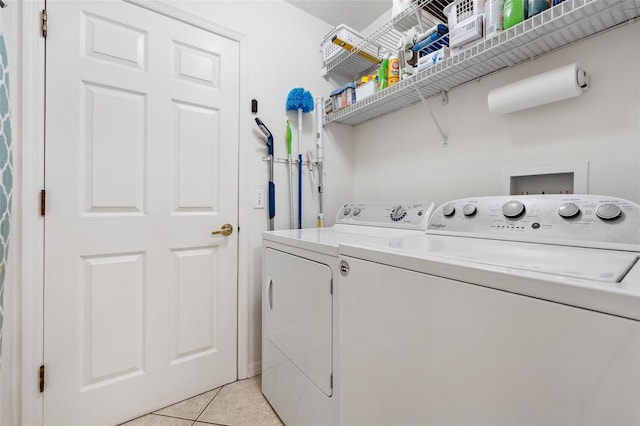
[{"x": 299, "y": 100}]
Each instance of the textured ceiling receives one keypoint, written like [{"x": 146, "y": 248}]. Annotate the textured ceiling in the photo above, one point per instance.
[{"x": 357, "y": 14}]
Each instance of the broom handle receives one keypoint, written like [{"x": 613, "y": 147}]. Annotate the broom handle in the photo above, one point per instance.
[{"x": 299, "y": 168}]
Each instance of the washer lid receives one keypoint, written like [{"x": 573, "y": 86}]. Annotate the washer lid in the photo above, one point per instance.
[
  {"x": 601, "y": 280},
  {"x": 583, "y": 263}
]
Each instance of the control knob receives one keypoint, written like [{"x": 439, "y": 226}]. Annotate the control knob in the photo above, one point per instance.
[
  {"x": 608, "y": 211},
  {"x": 513, "y": 209},
  {"x": 356, "y": 211},
  {"x": 568, "y": 210},
  {"x": 346, "y": 210},
  {"x": 398, "y": 213},
  {"x": 469, "y": 210},
  {"x": 448, "y": 210}
]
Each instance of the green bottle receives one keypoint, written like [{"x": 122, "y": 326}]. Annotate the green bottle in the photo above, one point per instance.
[
  {"x": 383, "y": 76},
  {"x": 515, "y": 11}
]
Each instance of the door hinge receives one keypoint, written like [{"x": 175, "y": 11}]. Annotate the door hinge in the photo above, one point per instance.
[
  {"x": 43, "y": 26},
  {"x": 331, "y": 381},
  {"x": 41, "y": 378},
  {"x": 43, "y": 202},
  {"x": 331, "y": 287}
]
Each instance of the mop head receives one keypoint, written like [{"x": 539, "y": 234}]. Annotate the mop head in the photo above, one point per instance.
[{"x": 299, "y": 99}]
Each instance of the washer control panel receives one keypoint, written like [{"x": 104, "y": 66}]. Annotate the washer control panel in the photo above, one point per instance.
[
  {"x": 591, "y": 218},
  {"x": 393, "y": 215}
]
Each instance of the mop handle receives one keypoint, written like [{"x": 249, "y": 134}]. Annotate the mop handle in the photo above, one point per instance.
[
  {"x": 299, "y": 191},
  {"x": 272, "y": 192},
  {"x": 299, "y": 168}
]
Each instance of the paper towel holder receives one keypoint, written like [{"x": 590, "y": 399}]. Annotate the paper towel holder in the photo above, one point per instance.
[
  {"x": 582, "y": 79},
  {"x": 552, "y": 86}
]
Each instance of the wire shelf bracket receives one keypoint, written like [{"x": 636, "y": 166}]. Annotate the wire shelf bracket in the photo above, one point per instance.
[{"x": 445, "y": 140}]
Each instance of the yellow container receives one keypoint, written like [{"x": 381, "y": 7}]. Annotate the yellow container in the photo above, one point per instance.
[{"x": 393, "y": 70}]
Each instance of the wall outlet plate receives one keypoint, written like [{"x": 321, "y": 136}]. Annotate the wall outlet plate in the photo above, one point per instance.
[{"x": 258, "y": 199}]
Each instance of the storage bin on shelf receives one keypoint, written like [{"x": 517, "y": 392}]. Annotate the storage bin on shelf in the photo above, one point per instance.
[
  {"x": 460, "y": 10},
  {"x": 330, "y": 50},
  {"x": 343, "y": 96},
  {"x": 366, "y": 89},
  {"x": 466, "y": 22}
]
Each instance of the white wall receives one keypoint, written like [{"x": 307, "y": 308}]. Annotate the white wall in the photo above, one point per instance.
[{"x": 400, "y": 155}]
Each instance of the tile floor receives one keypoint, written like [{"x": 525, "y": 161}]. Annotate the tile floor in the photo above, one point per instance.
[{"x": 236, "y": 404}]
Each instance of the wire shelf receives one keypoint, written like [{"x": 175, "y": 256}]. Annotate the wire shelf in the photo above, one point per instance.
[
  {"x": 388, "y": 36},
  {"x": 559, "y": 26}
]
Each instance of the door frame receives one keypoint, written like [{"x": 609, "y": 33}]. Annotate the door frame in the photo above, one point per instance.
[{"x": 32, "y": 129}]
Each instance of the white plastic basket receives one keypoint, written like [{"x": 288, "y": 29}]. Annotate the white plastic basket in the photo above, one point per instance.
[
  {"x": 344, "y": 33},
  {"x": 330, "y": 50},
  {"x": 460, "y": 10}
]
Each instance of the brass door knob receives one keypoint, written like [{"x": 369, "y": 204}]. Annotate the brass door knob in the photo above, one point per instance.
[{"x": 226, "y": 230}]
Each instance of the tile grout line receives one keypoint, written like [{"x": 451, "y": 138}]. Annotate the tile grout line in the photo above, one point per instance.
[
  {"x": 165, "y": 415},
  {"x": 210, "y": 402}
]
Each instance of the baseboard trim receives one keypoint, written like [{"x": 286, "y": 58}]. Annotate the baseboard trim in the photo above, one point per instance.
[{"x": 254, "y": 369}]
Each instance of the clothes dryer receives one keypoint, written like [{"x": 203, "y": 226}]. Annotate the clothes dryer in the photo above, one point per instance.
[
  {"x": 299, "y": 311},
  {"x": 509, "y": 310}
]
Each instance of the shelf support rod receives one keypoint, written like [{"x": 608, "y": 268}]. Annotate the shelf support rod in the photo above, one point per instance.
[
  {"x": 294, "y": 161},
  {"x": 445, "y": 141}
]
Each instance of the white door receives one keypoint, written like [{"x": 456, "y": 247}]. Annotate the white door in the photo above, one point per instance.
[{"x": 141, "y": 167}]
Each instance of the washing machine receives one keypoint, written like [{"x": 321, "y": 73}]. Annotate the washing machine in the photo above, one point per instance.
[
  {"x": 521, "y": 310},
  {"x": 299, "y": 312}
]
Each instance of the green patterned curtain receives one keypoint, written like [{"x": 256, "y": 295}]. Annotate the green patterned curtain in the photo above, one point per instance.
[{"x": 6, "y": 176}]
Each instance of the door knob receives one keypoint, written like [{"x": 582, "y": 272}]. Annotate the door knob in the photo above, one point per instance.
[{"x": 226, "y": 230}]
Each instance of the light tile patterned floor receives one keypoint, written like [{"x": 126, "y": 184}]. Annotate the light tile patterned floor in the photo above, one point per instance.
[{"x": 236, "y": 404}]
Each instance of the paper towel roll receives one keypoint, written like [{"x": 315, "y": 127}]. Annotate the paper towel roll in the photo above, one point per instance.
[{"x": 551, "y": 86}]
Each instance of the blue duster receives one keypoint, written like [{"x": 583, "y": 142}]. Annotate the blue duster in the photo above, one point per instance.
[{"x": 299, "y": 100}]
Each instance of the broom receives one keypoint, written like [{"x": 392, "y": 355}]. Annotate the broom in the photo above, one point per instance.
[{"x": 299, "y": 100}]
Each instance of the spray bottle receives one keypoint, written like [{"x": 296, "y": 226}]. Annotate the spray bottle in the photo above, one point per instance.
[
  {"x": 383, "y": 73},
  {"x": 514, "y": 12}
]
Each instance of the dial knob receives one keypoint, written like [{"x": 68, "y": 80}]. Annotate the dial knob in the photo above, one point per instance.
[
  {"x": 608, "y": 211},
  {"x": 469, "y": 210},
  {"x": 568, "y": 210},
  {"x": 448, "y": 210},
  {"x": 398, "y": 213},
  {"x": 513, "y": 209},
  {"x": 356, "y": 211},
  {"x": 346, "y": 211}
]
